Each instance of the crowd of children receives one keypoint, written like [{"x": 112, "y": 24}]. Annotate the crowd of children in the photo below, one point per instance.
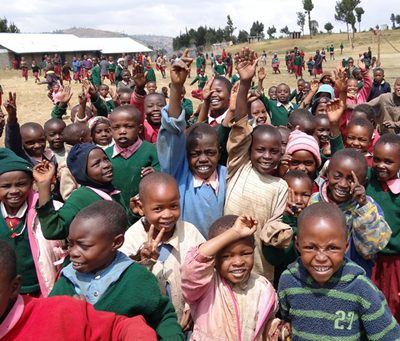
[{"x": 254, "y": 218}]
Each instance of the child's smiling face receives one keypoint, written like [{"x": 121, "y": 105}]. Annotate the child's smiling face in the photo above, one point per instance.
[
  {"x": 359, "y": 138},
  {"x": 265, "y": 152},
  {"x": 340, "y": 178},
  {"x": 386, "y": 161},
  {"x": 153, "y": 105},
  {"x": 235, "y": 262},
  {"x": 322, "y": 244},
  {"x": 219, "y": 99},
  {"x": 203, "y": 155},
  {"x": 258, "y": 112},
  {"x": 14, "y": 189}
]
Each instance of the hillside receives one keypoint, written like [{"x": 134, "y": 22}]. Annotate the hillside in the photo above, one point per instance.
[{"x": 152, "y": 41}]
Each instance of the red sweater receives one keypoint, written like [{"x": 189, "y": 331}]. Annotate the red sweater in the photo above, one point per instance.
[{"x": 65, "y": 318}]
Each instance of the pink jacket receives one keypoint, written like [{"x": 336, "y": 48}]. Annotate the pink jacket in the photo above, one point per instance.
[
  {"x": 221, "y": 312},
  {"x": 361, "y": 97},
  {"x": 45, "y": 253}
]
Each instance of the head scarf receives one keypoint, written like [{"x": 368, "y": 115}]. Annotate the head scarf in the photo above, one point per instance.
[{"x": 77, "y": 163}]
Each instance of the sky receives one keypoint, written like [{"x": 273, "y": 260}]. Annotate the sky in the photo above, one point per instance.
[{"x": 169, "y": 18}]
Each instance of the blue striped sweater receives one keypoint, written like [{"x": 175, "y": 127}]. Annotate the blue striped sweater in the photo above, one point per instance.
[{"x": 348, "y": 307}]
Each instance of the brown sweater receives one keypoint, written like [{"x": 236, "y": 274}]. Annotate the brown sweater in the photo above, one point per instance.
[{"x": 387, "y": 107}]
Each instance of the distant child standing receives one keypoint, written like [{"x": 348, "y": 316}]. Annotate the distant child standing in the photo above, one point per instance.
[
  {"x": 275, "y": 63},
  {"x": 111, "y": 67},
  {"x": 325, "y": 296},
  {"x": 23, "y": 65},
  {"x": 218, "y": 283},
  {"x": 66, "y": 72},
  {"x": 35, "y": 71},
  {"x": 202, "y": 79},
  {"x": 96, "y": 73},
  {"x": 317, "y": 67}
]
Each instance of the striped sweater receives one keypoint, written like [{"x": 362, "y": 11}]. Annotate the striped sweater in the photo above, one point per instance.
[{"x": 348, "y": 307}]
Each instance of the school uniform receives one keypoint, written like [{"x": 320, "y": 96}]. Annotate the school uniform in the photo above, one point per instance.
[{"x": 125, "y": 288}]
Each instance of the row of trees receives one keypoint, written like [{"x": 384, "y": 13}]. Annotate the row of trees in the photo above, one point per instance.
[
  {"x": 5, "y": 26},
  {"x": 395, "y": 19},
  {"x": 204, "y": 35},
  {"x": 347, "y": 11}
]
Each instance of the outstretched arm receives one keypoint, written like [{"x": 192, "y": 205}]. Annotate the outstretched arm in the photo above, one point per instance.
[{"x": 246, "y": 66}]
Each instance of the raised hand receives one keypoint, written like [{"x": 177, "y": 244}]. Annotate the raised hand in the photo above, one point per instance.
[
  {"x": 149, "y": 251},
  {"x": 361, "y": 65},
  {"x": 284, "y": 164},
  {"x": 82, "y": 97},
  {"x": 340, "y": 79},
  {"x": 180, "y": 69},
  {"x": 246, "y": 63},
  {"x": 232, "y": 99},
  {"x": 314, "y": 85},
  {"x": 358, "y": 191},
  {"x": 139, "y": 76},
  {"x": 261, "y": 74},
  {"x": 65, "y": 95},
  {"x": 335, "y": 109},
  {"x": 291, "y": 207},
  {"x": 43, "y": 173},
  {"x": 11, "y": 107},
  {"x": 89, "y": 87},
  {"x": 245, "y": 226},
  {"x": 207, "y": 89}
]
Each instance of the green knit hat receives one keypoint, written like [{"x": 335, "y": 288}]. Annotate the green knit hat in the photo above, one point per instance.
[{"x": 9, "y": 162}]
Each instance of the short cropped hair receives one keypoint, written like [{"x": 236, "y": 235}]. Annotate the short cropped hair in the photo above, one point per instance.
[
  {"x": 298, "y": 174},
  {"x": 132, "y": 111},
  {"x": 111, "y": 213},
  {"x": 321, "y": 210},
  {"x": 355, "y": 155},
  {"x": 196, "y": 132},
  {"x": 362, "y": 122},
  {"x": 152, "y": 180},
  {"x": 223, "y": 224},
  {"x": 389, "y": 138}
]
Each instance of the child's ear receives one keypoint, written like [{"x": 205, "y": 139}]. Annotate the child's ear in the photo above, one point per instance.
[
  {"x": 15, "y": 287},
  {"x": 118, "y": 241},
  {"x": 296, "y": 244}
]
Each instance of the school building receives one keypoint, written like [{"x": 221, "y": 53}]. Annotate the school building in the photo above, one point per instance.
[{"x": 33, "y": 46}]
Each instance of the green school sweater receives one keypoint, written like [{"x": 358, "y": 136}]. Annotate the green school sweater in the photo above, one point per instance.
[
  {"x": 150, "y": 75},
  {"x": 135, "y": 293},
  {"x": 25, "y": 264},
  {"x": 96, "y": 79},
  {"x": 55, "y": 224},
  {"x": 279, "y": 114},
  {"x": 220, "y": 69},
  {"x": 126, "y": 172},
  {"x": 390, "y": 204},
  {"x": 58, "y": 111},
  {"x": 336, "y": 144}
]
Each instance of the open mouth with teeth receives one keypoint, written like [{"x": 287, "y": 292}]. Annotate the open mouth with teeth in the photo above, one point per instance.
[
  {"x": 341, "y": 193},
  {"x": 238, "y": 273},
  {"x": 322, "y": 269}
]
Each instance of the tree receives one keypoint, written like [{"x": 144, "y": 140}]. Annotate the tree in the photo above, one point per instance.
[
  {"x": 345, "y": 12},
  {"x": 314, "y": 27},
  {"x": 229, "y": 28},
  {"x": 285, "y": 30},
  {"x": 393, "y": 20},
  {"x": 10, "y": 28},
  {"x": 301, "y": 21},
  {"x": 271, "y": 31},
  {"x": 257, "y": 29},
  {"x": 243, "y": 36},
  {"x": 359, "y": 12},
  {"x": 308, "y": 6},
  {"x": 328, "y": 27}
]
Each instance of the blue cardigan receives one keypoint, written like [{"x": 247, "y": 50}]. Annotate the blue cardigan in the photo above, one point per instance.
[{"x": 200, "y": 206}]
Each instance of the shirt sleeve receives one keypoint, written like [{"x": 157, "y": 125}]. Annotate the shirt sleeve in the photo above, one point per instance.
[
  {"x": 171, "y": 144},
  {"x": 197, "y": 273}
]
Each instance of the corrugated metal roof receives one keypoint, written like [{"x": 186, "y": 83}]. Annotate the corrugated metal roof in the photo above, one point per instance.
[
  {"x": 115, "y": 45},
  {"x": 48, "y": 42}
]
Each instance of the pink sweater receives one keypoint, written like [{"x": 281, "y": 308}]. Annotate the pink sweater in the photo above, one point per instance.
[
  {"x": 221, "y": 312},
  {"x": 360, "y": 98}
]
